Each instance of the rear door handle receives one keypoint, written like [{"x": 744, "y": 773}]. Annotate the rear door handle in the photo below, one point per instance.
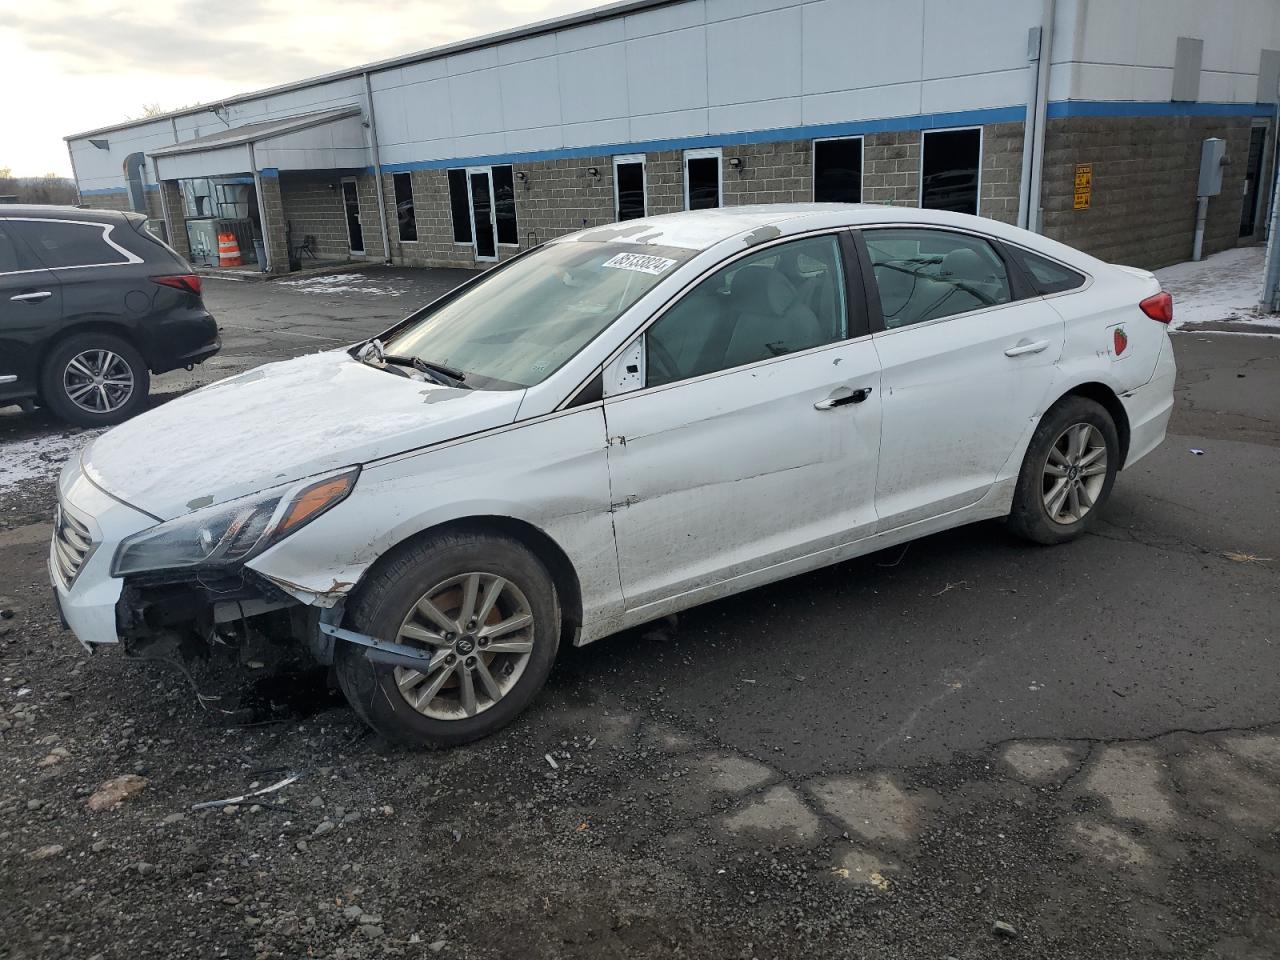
[
  {"x": 1024, "y": 346},
  {"x": 842, "y": 397},
  {"x": 33, "y": 297}
]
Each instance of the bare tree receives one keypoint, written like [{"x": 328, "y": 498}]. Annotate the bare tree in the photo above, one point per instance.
[
  {"x": 157, "y": 110},
  {"x": 50, "y": 188}
]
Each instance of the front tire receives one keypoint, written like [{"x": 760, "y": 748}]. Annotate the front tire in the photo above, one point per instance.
[
  {"x": 485, "y": 606},
  {"x": 95, "y": 380},
  {"x": 1067, "y": 474}
]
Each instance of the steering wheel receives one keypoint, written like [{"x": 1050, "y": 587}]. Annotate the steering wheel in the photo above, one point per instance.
[{"x": 661, "y": 359}]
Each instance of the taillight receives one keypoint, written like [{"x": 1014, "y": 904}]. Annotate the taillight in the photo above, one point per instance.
[
  {"x": 186, "y": 282},
  {"x": 1158, "y": 306}
]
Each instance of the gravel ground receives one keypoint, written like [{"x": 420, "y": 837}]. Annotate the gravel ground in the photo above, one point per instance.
[{"x": 918, "y": 755}]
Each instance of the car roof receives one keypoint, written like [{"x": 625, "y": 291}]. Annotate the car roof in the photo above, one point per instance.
[
  {"x": 700, "y": 230},
  {"x": 51, "y": 212}
]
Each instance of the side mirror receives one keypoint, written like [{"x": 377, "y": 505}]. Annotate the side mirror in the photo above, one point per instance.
[{"x": 627, "y": 371}]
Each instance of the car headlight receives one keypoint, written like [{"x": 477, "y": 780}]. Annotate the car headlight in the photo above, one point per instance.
[{"x": 228, "y": 534}]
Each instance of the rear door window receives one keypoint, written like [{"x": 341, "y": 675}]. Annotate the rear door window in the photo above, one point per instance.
[
  {"x": 925, "y": 275},
  {"x": 67, "y": 243}
]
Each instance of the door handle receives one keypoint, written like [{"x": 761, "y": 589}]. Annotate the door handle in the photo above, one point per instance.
[
  {"x": 1024, "y": 346},
  {"x": 842, "y": 397},
  {"x": 33, "y": 297}
]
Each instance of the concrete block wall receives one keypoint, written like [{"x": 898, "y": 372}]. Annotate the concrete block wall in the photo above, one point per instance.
[
  {"x": 1145, "y": 169},
  {"x": 1001, "y": 171},
  {"x": 891, "y": 168},
  {"x": 370, "y": 218},
  {"x": 770, "y": 173},
  {"x": 560, "y": 196},
  {"x": 107, "y": 201},
  {"x": 175, "y": 223},
  {"x": 312, "y": 205},
  {"x": 273, "y": 229}
]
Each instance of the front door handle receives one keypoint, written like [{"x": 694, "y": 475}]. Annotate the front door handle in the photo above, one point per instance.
[
  {"x": 33, "y": 297},
  {"x": 1025, "y": 346},
  {"x": 842, "y": 397}
]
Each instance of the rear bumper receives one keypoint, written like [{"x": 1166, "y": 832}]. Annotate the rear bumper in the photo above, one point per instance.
[
  {"x": 181, "y": 338},
  {"x": 1150, "y": 406}
]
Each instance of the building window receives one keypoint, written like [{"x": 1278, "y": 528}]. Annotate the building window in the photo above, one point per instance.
[
  {"x": 701, "y": 179},
  {"x": 949, "y": 165},
  {"x": 460, "y": 206},
  {"x": 629, "y": 187},
  {"x": 837, "y": 170},
  {"x": 405, "y": 218},
  {"x": 504, "y": 205}
]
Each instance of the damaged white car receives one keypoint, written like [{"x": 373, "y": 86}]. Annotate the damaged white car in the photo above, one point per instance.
[{"x": 613, "y": 427}]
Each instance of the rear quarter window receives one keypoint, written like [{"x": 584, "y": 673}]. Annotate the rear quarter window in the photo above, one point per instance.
[
  {"x": 1047, "y": 276},
  {"x": 66, "y": 243}
]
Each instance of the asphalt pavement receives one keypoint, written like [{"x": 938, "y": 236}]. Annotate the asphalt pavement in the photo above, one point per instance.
[{"x": 967, "y": 747}]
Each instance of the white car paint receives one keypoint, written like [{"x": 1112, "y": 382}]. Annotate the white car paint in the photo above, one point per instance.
[{"x": 659, "y": 497}]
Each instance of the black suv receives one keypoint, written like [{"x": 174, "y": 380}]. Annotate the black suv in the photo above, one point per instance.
[{"x": 90, "y": 301}]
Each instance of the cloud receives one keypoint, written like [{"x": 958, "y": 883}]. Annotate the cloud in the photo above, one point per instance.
[{"x": 91, "y": 63}]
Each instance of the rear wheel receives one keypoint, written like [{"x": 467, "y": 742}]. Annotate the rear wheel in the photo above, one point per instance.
[
  {"x": 484, "y": 608},
  {"x": 1068, "y": 472},
  {"x": 95, "y": 380}
]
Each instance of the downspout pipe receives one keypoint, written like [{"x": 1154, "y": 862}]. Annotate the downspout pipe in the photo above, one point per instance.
[
  {"x": 262, "y": 210},
  {"x": 1271, "y": 277},
  {"x": 1035, "y": 208},
  {"x": 1029, "y": 123},
  {"x": 377, "y": 169}
]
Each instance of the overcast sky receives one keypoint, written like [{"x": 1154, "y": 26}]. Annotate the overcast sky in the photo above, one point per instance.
[{"x": 72, "y": 65}]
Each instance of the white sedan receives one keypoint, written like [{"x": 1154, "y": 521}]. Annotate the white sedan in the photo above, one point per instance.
[{"x": 615, "y": 426}]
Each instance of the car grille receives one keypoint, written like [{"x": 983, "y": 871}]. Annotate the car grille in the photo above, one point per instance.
[{"x": 72, "y": 544}]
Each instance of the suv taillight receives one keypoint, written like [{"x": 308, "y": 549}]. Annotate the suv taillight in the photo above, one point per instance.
[
  {"x": 1158, "y": 307},
  {"x": 187, "y": 282}
]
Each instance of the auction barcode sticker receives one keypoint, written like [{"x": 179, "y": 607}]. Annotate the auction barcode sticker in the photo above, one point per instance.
[{"x": 641, "y": 263}]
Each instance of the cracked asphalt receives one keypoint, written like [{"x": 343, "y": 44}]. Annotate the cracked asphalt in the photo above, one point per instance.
[{"x": 969, "y": 748}]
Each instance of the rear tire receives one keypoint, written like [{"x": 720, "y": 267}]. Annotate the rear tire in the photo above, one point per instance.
[
  {"x": 1067, "y": 474},
  {"x": 498, "y": 580},
  {"x": 94, "y": 380}
]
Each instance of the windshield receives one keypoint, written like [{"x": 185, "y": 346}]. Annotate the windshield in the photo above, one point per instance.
[{"x": 522, "y": 323}]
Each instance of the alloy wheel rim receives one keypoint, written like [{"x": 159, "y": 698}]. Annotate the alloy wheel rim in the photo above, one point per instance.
[
  {"x": 1074, "y": 473},
  {"x": 99, "y": 381},
  {"x": 479, "y": 628}
]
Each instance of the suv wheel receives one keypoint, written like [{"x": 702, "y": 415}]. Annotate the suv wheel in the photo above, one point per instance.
[
  {"x": 484, "y": 607},
  {"x": 94, "y": 380}
]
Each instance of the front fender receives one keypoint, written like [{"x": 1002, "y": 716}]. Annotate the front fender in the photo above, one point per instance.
[{"x": 551, "y": 474}]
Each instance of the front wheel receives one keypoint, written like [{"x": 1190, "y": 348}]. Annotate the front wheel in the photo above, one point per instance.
[
  {"x": 485, "y": 609},
  {"x": 1068, "y": 472}
]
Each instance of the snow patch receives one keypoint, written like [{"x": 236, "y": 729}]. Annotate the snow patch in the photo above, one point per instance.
[
  {"x": 39, "y": 458},
  {"x": 342, "y": 283},
  {"x": 1226, "y": 286}
]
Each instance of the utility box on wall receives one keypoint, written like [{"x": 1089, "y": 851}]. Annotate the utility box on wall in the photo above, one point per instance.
[{"x": 1213, "y": 156}]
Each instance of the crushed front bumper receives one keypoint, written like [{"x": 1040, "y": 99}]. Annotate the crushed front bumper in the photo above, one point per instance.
[{"x": 82, "y": 582}]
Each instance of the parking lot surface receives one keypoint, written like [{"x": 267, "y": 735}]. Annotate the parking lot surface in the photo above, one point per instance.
[{"x": 968, "y": 747}]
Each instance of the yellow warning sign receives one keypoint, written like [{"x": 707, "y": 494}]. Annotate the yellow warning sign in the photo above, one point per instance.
[{"x": 1084, "y": 185}]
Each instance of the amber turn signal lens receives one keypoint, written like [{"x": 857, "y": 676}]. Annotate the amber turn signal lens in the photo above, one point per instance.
[{"x": 314, "y": 500}]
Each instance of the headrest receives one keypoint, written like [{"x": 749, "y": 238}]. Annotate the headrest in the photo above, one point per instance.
[
  {"x": 964, "y": 264},
  {"x": 762, "y": 289}
]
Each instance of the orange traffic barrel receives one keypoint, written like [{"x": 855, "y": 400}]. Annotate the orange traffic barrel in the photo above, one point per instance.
[{"x": 228, "y": 251}]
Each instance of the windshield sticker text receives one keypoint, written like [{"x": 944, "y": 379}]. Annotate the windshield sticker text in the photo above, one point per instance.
[{"x": 640, "y": 262}]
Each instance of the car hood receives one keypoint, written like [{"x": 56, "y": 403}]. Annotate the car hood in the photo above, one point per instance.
[{"x": 278, "y": 423}]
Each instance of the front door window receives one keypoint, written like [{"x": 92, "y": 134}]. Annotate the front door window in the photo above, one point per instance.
[{"x": 351, "y": 206}]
